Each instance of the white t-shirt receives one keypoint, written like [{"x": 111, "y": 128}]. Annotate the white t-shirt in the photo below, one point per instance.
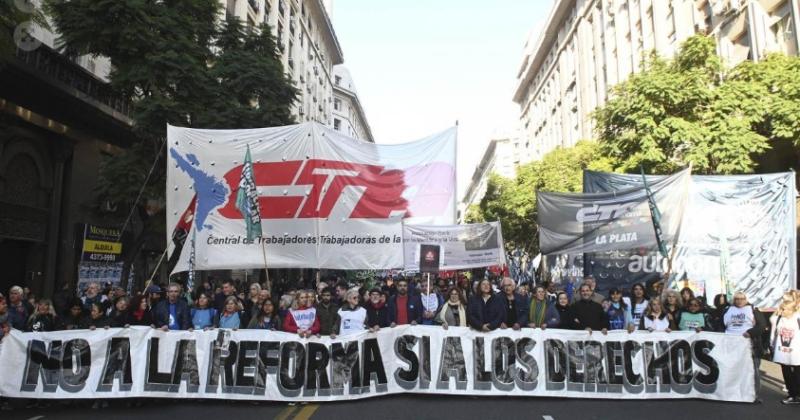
[
  {"x": 304, "y": 318},
  {"x": 786, "y": 340},
  {"x": 739, "y": 320},
  {"x": 637, "y": 311},
  {"x": 352, "y": 321},
  {"x": 656, "y": 324}
]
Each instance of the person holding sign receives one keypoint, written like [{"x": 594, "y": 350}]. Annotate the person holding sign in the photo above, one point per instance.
[
  {"x": 454, "y": 311},
  {"x": 485, "y": 311},
  {"x": 786, "y": 344},
  {"x": 431, "y": 302},
  {"x": 352, "y": 317}
]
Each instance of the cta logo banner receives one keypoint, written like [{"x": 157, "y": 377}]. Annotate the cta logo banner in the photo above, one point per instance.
[{"x": 325, "y": 200}]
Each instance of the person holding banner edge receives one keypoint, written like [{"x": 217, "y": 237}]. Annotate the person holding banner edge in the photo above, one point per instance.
[{"x": 454, "y": 311}]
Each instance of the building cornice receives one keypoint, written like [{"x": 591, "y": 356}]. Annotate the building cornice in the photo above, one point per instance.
[
  {"x": 337, "y": 56},
  {"x": 363, "y": 116}
]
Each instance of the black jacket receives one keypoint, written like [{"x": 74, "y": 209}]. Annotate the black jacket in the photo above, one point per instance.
[
  {"x": 328, "y": 318},
  {"x": 491, "y": 311},
  {"x": 161, "y": 314},
  {"x": 588, "y": 314},
  {"x": 377, "y": 316}
]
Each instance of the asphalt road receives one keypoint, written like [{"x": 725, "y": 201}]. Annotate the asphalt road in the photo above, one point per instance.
[{"x": 417, "y": 406}]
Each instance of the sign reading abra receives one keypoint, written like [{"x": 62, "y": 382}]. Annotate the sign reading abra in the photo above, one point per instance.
[{"x": 325, "y": 200}]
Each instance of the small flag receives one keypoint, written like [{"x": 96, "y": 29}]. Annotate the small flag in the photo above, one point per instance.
[
  {"x": 247, "y": 199},
  {"x": 656, "y": 216}
]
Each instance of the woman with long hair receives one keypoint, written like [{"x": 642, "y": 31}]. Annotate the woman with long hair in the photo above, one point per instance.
[
  {"x": 139, "y": 313},
  {"x": 118, "y": 318},
  {"x": 44, "y": 319},
  {"x": 454, "y": 310},
  {"x": 786, "y": 344},
  {"x": 619, "y": 314},
  {"x": 721, "y": 305},
  {"x": 266, "y": 318},
  {"x": 637, "y": 303},
  {"x": 672, "y": 303},
  {"x": 301, "y": 318},
  {"x": 655, "y": 318}
]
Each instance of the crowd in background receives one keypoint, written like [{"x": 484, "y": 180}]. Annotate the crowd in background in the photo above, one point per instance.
[{"x": 335, "y": 308}]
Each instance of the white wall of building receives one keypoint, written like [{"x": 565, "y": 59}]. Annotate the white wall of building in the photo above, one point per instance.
[
  {"x": 348, "y": 114},
  {"x": 588, "y": 46}
]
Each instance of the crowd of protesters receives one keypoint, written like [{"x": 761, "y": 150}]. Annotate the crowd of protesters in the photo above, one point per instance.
[{"x": 335, "y": 308}]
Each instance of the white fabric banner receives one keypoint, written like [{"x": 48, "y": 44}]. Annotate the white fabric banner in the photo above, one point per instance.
[
  {"x": 462, "y": 246},
  {"x": 274, "y": 366},
  {"x": 326, "y": 200}
]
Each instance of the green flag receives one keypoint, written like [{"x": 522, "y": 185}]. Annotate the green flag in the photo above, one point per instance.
[
  {"x": 247, "y": 199},
  {"x": 656, "y": 216}
]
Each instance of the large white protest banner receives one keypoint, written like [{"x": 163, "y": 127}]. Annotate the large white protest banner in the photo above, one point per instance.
[
  {"x": 325, "y": 200},
  {"x": 274, "y": 366},
  {"x": 462, "y": 246}
]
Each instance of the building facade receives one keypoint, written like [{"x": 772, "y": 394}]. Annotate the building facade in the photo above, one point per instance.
[
  {"x": 588, "y": 46},
  {"x": 502, "y": 156},
  {"x": 308, "y": 48},
  {"x": 348, "y": 114}
]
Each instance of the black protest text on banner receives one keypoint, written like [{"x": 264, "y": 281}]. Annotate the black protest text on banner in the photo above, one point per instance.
[{"x": 277, "y": 366}]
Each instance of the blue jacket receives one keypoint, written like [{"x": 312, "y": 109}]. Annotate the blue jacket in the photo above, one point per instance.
[
  {"x": 414, "y": 308},
  {"x": 522, "y": 307},
  {"x": 491, "y": 312},
  {"x": 161, "y": 314}
]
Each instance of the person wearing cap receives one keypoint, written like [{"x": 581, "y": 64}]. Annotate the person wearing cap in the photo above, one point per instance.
[
  {"x": 153, "y": 293},
  {"x": 595, "y": 297},
  {"x": 377, "y": 312}
]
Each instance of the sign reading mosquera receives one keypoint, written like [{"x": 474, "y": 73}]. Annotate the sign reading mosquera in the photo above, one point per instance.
[
  {"x": 259, "y": 365},
  {"x": 325, "y": 200},
  {"x": 101, "y": 244},
  {"x": 462, "y": 246}
]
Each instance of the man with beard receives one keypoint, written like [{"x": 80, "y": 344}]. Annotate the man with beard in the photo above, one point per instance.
[{"x": 326, "y": 312}]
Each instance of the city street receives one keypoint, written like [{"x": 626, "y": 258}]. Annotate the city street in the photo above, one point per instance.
[{"x": 436, "y": 407}]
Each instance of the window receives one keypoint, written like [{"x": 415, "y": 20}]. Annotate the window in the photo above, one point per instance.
[
  {"x": 337, "y": 104},
  {"x": 337, "y": 80},
  {"x": 337, "y": 124}
]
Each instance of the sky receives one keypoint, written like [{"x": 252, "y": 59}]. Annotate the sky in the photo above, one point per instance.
[{"x": 421, "y": 65}]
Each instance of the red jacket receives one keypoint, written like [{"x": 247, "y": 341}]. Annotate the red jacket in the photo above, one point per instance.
[{"x": 307, "y": 319}]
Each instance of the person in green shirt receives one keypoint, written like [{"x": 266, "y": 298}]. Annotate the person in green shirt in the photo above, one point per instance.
[{"x": 692, "y": 318}]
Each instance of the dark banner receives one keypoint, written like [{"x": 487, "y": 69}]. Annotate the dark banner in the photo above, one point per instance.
[{"x": 738, "y": 234}]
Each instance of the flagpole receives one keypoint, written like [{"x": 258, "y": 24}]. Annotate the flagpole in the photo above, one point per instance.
[{"x": 266, "y": 269}]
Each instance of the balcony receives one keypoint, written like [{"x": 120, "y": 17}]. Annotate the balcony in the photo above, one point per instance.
[{"x": 254, "y": 6}]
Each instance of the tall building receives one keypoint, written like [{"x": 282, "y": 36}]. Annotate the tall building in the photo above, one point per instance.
[
  {"x": 308, "y": 48},
  {"x": 502, "y": 156},
  {"x": 588, "y": 46},
  {"x": 348, "y": 114}
]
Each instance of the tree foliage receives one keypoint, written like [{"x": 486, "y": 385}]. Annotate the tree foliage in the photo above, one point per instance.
[
  {"x": 178, "y": 64},
  {"x": 692, "y": 109},
  {"x": 513, "y": 201}
]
